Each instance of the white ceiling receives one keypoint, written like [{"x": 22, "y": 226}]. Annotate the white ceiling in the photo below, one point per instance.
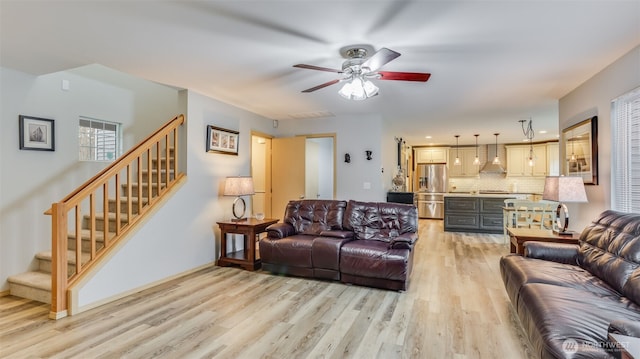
[{"x": 492, "y": 62}]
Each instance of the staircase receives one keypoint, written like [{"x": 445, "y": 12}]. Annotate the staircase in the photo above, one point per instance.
[{"x": 89, "y": 221}]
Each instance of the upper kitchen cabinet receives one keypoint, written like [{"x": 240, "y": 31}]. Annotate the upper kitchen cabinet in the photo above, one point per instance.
[
  {"x": 466, "y": 168},
  {"x": 518, "y": 160},
  {"x": 431, "y": 154}
]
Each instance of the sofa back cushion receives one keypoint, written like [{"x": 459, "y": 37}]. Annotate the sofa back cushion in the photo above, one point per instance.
[
  {"x": 380, "y": 221},
  {"x": 610, "y": 250},
  {"x": 315, "y": 216}
]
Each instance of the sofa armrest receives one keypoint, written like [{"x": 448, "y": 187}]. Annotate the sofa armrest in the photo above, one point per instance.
[
  {"x": 337, "y": 234},
  {"x": 404, "y": 241},
  {"x": 556, "y": 252},
  {"x": 630, "y": 328},
  {"x": 280, "y": 230}
]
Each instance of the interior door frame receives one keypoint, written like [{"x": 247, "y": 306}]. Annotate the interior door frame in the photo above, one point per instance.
[
  {"x": 268, "y": 174},
  {"x": 334, "y": 137}
]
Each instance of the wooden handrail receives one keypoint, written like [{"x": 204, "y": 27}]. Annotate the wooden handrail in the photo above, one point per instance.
[
  {"x": 132, "y": 153},
  {"x": 78, "y": 210}
]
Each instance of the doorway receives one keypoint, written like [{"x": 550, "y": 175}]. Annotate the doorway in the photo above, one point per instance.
[
  {"x": 291, "y": 168},
  {"x": 319, "y": 166}
]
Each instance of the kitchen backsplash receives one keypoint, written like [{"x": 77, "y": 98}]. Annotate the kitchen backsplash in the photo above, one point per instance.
[{"x": 497, "y": 182}]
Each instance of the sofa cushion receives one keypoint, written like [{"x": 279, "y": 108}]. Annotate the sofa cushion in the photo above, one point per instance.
[
  {"x": 314, "y": 216},
  {"x": 294, "y": 251},
  {"x": 380, "y": 221},
  {"x": 326, "y": 252},
  {"x": 610, "y": 250},
  {"x": 517, "y": 271},
  {"x": 370, "y": 258},
  {"x": 553, "y": 314}
]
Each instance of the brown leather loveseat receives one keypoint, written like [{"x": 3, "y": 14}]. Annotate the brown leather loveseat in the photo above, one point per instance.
[
  {"x": 364, "y": 243},
  {"x": 570, "y": 297}
]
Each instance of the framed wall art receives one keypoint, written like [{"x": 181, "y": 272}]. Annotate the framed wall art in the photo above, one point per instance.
[
  {"x": 580, "y": 143},
  {"x": 36, "y": 133},
  {"x": 221, "y": 140}
]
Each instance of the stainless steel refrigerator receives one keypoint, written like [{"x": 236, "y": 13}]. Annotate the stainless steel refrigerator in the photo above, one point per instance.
[{"x": 431, "y": 184}]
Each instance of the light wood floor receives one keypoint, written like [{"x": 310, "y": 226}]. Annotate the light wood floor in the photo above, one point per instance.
[{"x": 456, "y": 307}]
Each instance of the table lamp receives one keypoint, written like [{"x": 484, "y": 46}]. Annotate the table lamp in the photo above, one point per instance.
[
  {"x": 563, "y": 189},
  {"x": 238, "y": 186}
]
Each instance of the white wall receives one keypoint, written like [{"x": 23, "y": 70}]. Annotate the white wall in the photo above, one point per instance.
[
  {"x": 183, "y": 234},
  {"x": 354, "y": 135},
  {"x": 591, "y": 98},
  {"x": 31, "y": 180}
]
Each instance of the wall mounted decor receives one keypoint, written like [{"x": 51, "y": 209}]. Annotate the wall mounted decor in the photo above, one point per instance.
[
  {"x": 222, "y": 140},
  {"x": 347, "y": 158},
  {"x": 36, "y": 133},
  {"x": 369, "y": 155},
  {"x": 580, "y": 143}
]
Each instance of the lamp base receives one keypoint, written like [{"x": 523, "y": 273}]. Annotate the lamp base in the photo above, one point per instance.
[
  {"x": 562, "y": 221},
  {"x": 239, "y": 217}
]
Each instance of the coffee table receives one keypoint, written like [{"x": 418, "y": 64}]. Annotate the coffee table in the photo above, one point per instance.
[{"x": 518, "y": 236}]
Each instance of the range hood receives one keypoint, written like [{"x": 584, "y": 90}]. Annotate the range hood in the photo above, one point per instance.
[{"x": 489, "y": 166}]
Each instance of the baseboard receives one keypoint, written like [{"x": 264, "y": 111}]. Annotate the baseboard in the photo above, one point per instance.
[{"x": 73, "y": 309}]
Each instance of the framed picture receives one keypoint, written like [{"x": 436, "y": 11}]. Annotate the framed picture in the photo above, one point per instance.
[
  {"x": 222, "y": 141},
  {"x": 36, "y": 134},
  {"x": 580, "y": 143}
]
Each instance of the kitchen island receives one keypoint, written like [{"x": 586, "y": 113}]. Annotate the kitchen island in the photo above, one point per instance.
[{"x": 477, "y": 213}]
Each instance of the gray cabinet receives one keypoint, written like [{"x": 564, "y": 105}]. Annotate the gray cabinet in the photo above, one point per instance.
[{"x": 473, "y": 214}]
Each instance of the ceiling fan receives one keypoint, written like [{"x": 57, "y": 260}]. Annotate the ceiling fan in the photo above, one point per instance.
[{"x": 359, "y": 68}]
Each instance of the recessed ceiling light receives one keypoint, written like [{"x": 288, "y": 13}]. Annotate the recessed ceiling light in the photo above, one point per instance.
[{"x": 427, "y": 136}]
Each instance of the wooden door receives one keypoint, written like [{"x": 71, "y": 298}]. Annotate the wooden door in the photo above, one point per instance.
[{"x": 287, "y": 172}]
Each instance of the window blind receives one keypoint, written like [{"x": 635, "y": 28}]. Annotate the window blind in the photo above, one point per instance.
[{"x": 625, "y": 171}]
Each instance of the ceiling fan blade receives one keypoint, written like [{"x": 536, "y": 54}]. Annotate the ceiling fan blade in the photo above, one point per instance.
[
  {"x": 380, "y": 58},
  {"x": 312, "y": 67},
  {"x": 332, "y": 82},
  {"x": 404, "y": 76}
]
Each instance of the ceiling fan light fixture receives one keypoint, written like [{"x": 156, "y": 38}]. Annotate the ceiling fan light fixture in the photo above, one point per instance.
[
  {"x": 369, "y": 88},
  {"x": 358, "y": 89}
]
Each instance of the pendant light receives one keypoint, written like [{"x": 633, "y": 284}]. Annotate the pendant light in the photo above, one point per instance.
[
  {"x": 457, "y": 160},
  {"x": 529, "y": 133},
  {"x": 476, "y": 161},
  {"x": 496, "y": 160},
  {"x": 531, "y": 157},
  {"x": 573, "y": 154}
]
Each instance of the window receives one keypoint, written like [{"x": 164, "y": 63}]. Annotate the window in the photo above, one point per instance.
[
  {"x": 625, "y": 169},
  {"x": 99, "y": 140}
]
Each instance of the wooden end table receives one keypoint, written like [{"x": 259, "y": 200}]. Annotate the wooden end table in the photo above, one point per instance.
[
  {"x": 518, "y": 236},
  {"x": 249, "y": 228}
]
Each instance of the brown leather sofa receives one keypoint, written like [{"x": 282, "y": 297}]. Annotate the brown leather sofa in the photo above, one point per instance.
[
  {"x": 569, "y": 297},
  {"x": 364, "y": 243}
]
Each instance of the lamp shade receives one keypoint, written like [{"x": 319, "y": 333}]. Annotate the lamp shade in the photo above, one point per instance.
[
  {"x": 238, "y": 186},
  {"x": 564, "y": 189}
]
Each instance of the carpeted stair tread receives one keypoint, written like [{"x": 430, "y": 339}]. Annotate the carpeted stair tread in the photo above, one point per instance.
[{"x": 36, "y": 279}]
